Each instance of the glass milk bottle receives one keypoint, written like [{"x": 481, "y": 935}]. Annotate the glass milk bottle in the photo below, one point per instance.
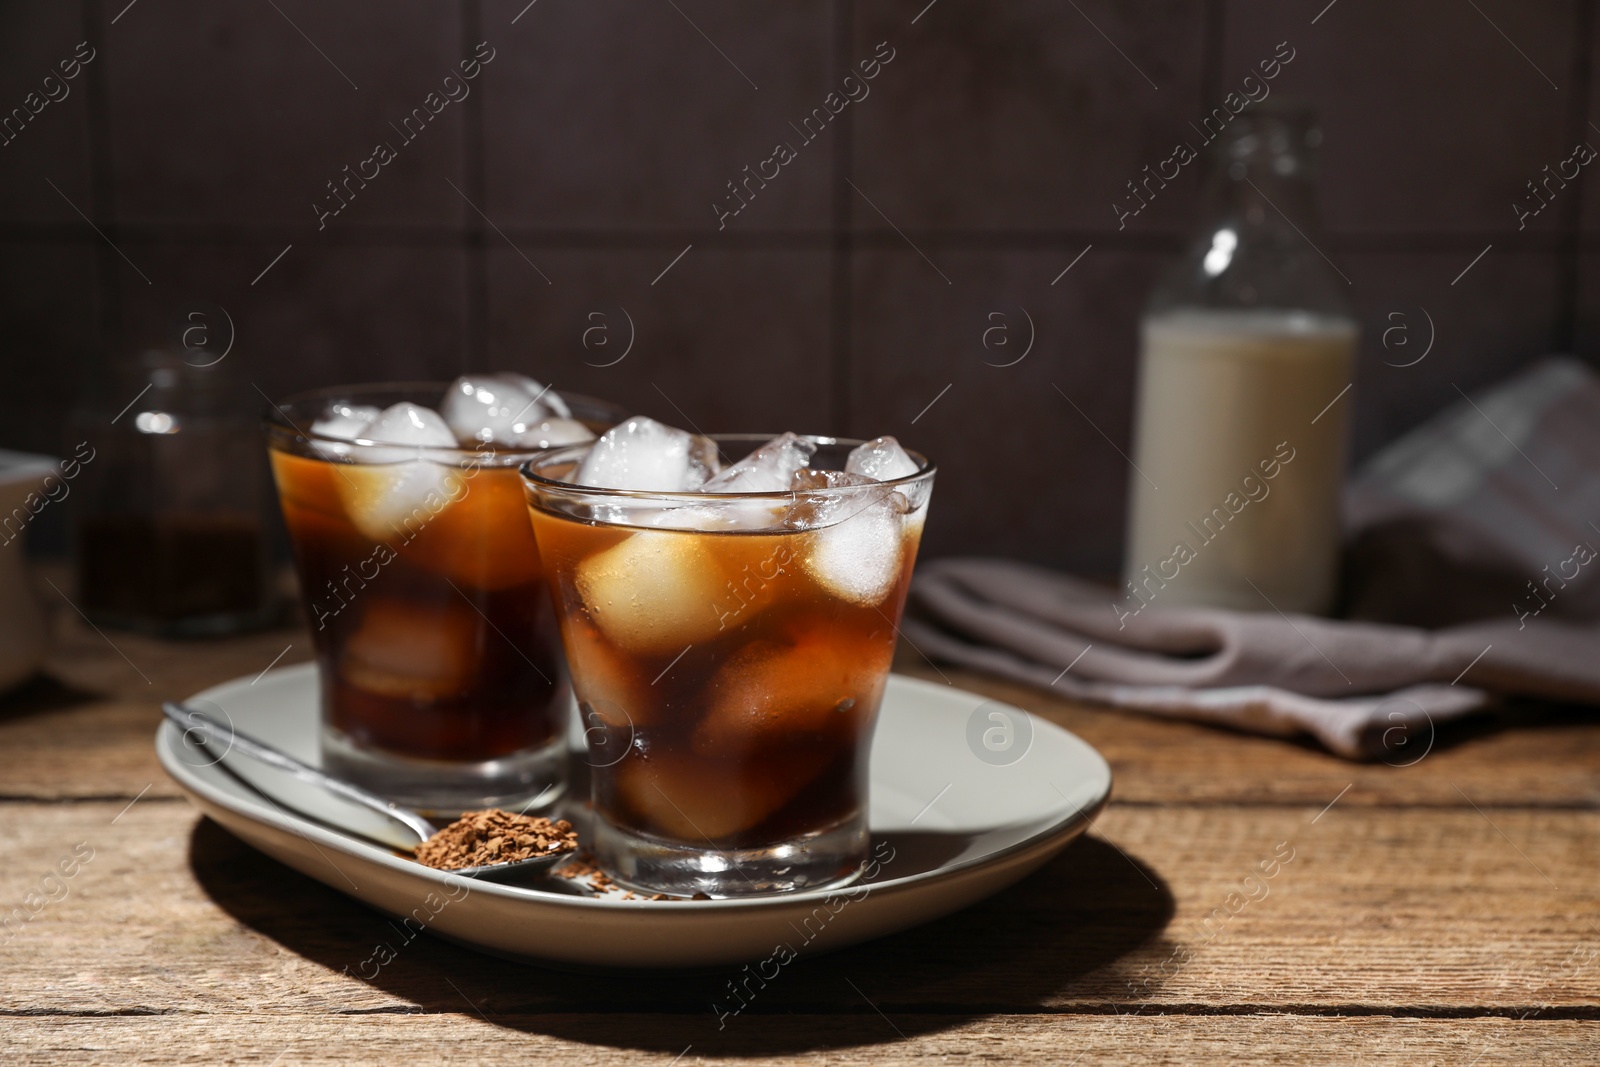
[{"x": 1247, "y": 346}]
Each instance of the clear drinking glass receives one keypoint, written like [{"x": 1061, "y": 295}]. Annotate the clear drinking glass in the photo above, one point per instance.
[
  {"x": 1247, "y": 347},
  {"x": 729, "y": 652},
  {"x": 442, "y": 680}
]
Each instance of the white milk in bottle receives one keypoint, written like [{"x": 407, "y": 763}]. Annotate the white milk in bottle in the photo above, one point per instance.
[
  {"x": 1247, "y": 350},
  {"x": 1237, "y": 505}
]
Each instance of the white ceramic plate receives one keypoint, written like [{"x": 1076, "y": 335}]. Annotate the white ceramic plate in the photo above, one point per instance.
[{"x": 949, "y": 828}]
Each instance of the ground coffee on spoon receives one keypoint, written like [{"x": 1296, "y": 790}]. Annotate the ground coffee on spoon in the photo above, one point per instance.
[{"x": 480, "y": 838}]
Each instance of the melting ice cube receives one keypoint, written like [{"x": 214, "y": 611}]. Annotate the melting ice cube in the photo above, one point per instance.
[
  {"x": 654, "y": 592},
  {"x": 505, "y": 409},
  {"x": 769, "y": 469},
  {"x": 403, "y": 652},
  {"x": 643, "y": 454},
  {"x": 881, "y": 459},
  {"x": 344, "y": 420},
  {"x": 410, "y": 424},
  {"x": 553, "y": 432},
  {"x": 677, "y": 796},
  {"x": 393, "y": 492},
  {"x": 856, "y": 543},
  {"x": 769, "y": 695},
  {"x": 608, "y": 682}
]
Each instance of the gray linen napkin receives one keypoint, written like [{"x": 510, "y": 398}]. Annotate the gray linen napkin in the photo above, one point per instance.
[{"x": 1466, "y": 576}]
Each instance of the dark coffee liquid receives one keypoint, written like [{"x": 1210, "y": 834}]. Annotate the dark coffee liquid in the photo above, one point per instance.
[
  {"x": 730, "y": 697},
  {"x": 437, "y": 640}
]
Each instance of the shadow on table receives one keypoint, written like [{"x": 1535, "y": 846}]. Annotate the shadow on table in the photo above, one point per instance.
[
  {"x": 1054, "y": 933},
  {"x": 40, "y": 694}
]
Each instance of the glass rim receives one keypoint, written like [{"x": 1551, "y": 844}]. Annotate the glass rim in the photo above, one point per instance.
[
  {"x": 563, "y": 453},
  {"x": 278, "y": 419}
]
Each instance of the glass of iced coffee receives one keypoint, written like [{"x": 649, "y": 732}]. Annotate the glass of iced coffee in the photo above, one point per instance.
[
  {"x": 442, "y": 680},
  {"x": 730, "y": 633}
]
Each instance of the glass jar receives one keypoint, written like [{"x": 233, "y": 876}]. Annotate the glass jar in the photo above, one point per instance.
[
  {"x": 170, "y": 534},
  {"x": 1247, "y": 346}
]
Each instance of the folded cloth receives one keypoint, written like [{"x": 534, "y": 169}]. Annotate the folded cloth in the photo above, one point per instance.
[{"x": 1465, "y": 578}]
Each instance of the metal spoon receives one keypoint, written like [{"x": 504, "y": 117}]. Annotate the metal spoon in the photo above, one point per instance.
[{"x": 229, "y": 740}]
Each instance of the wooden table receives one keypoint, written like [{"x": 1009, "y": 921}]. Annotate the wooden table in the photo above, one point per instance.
[{"x": 1444, "y": 912}]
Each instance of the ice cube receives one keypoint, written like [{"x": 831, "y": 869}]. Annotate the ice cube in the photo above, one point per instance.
[
  {"x": 654, "y": 592},
  {"x": 406, "y": 653},
  {"x": 545, "y": 395},
  {"x": 769, "y": 469},
  {"x": 821, "y": 498},
  {"x": 881, "y": 459},
  {"x": 696, "y": 800},
  {"x": 915, "y": 522},
  {"x": 855, "y": 548},
  {"x": 553, "y": 432},
  {"x": 643, "y": 454},
  {"x": 614, "y": 689},
  {"x": 344, "y": 420},
  {"x": 410, "y": 424},
  {"x": 770, "y": 695},
  {"x": 731, "y": 514},
  {"x": 504, "y": 409},
  {"x": 393, "y": 502},
  {"x": 392, "y": 492},
  {"x": 481, "y": 541}
]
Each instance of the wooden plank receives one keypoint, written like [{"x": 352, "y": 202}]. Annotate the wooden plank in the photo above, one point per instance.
[
  {"x": 300, "y": 1037},
  {"x": 88, "y": 734},
  {"x": 1374, "y": 910},
  {"x": 86, "y": 728}
]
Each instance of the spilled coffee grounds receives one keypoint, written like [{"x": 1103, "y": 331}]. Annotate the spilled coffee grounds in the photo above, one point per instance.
[{"x": 480, "y": 838}]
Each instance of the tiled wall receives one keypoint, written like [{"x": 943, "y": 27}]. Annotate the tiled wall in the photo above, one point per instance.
[{"x": 854, "y": 290}]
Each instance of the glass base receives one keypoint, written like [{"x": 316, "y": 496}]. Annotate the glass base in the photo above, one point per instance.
[
  {"x": 825, "y": 859},
  {"x": 531, "y": 782}
]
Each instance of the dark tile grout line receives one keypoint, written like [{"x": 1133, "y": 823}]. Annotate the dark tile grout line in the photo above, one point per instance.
[
  {"x": 1213, "y": 38},
  {"x": 841, "y": 261},
  {"x": 1566, "y": 325},
  {"x": 102, "y": 182},
  {"x": 474, "y": 175},
  {"x": 383, "y": 236}
]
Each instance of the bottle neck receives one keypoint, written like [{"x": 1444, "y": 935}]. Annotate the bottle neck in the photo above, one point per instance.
[
  {"x": 1258, "y": 196},
  {"x": 1259, "y": 243}
]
